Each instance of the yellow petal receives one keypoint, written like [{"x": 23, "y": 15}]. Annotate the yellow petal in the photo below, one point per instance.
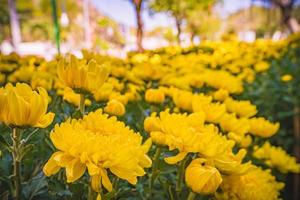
[
  {"x": 105, "y": 180},
  {"x": 45, "y": 120},
  {"x": 51, "y": 167},
  {"x": 175, "y": 159},
  {"x": 92, "y": 169},
  {"x": 96, "y": 183},
  {"x": 74, "y": 170}
]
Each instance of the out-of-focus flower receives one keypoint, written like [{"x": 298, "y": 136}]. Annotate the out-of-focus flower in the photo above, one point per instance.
[
  {"x": 261, "y": 66},
  {"x": 103, "y": 93},
  {"x": 287, "y": 78},
  {"x": 220, "y": 95},
  {"x": 154, "y": 96},
  {"x": 70, "y": 96},
  {"x": 115, "y": 107},
  {"x": 276, "y": 157},
  {"x": 262, "y": 127},
  {"x": 241, "y": 108}
]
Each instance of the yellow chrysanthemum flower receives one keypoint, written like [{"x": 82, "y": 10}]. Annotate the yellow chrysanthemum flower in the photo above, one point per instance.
[
  {"x": 104, "y": 92},
  {"x": 188, "y": 134},
  {"x": 98, "y": 143},
  {"x": 81, "y": 76},
  {"x": 262, "y": 127},
  {"x": 21, "y": 106},
  {"x": 276, "y": 157},
  {"x": 261, "y": 66},
  {"x": 202, "y": 178},
  {"x": 70, "y": 96},
  {"x": 115, "y": 107},
  {"x": 230, "y": 123},
  {"x": 241, "y": 108},
  {"x": 154, "y": 96},
  {"x": 255, "y": 184},
  {"x": 286, "y": 78},
  {"x": 220, "y": 95}
]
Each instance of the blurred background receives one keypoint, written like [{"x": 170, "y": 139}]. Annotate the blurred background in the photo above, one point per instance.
[{"x": 114, "y": 27}]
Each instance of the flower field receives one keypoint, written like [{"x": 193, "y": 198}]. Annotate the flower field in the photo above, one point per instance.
[{"x": 213, "y": 121}]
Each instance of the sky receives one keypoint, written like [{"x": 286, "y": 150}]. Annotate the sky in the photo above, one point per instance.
[{"x": 122, "y": 11}]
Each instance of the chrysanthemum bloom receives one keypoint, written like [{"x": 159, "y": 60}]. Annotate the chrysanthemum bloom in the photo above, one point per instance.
[
  {"x": 182, "y": 99},
  {"x": 255, "y": 184},
  {"x": 276, "y": 157},
  {"x": 70, "y": 96},
  {"x": 189, "y": 134},
  {"x": 80, "y": 76},
  {"x": 220, "y": 95},
  {"x": 230, "y": 123},
  {"x": 115, "y": 107},
  {"x": 21, "y": 106},
  {"x": 98, "y": 143},
  {"x": 202, "y": 178},
  {"x": 241, "y": 108},
  {"x": 261, "y": 66},
  {"x": 262, "y": 127},
  {"x": 103, "y": 93},
  {"x": 286, "y": 78},
  {"x": 154, "y": 96}
]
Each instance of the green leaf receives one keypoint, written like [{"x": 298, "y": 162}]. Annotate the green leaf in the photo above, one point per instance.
[{"x": 4, "y": 144}]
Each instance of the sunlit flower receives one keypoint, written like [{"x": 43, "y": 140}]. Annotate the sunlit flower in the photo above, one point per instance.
[
  {"x": 21, "y": 106},
  {"x": 255, "y": 184},
  {"x": 70, "y": 96},
  {"x": 262, "y": 127},
  {"x": 261, "y": 66},
  {"x": 154, "y": 96},
  {"x": 115, "y": 107},
  {"x": 276, "y": 157},
  {"x": 189, "y": 134},
  {"x": 81, "y": 76},
  {"x": 202, "y": 178},
  {"x": 241, "y": 108},
  {"x": 220, "y": 95},
  {"x": 286, "y": 78},
  {"x": 98, "y": 143}
]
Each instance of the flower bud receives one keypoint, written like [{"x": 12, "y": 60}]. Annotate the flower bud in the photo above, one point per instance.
[
  {"x": 202, "y": 178},
  {"x": 114, "y": 107},
  {"x": 154, "y": 96}
]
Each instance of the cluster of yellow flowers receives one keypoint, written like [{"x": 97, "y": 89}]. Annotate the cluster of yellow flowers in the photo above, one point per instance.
[
  {"x": 276, "y": 157},
  {"x": 194, "y": 114},
  {"x": 254, "y": 184}
]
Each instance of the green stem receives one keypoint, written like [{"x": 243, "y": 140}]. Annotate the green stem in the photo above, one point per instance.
[
  {"x": 56, "y": 25},
  {"x": 16, "y": 164},
  {"x": 180, "y": 176},
  {"x": 191, "y": 196},
  {"x": 81, "y": 104},
  {"x": 91, "y": 193},
  {"x": 154, "y": 170}
]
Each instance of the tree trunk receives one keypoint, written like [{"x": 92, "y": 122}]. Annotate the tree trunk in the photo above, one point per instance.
[
  {"x": 286, "y": 8},
  {"x": 86, "y": 22},
  {"x": 14, "y": 24},
  {"x": 178, "y": 27},
  {"x": 139, "y": 21},
  {"x": 192, "y": 37}
]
